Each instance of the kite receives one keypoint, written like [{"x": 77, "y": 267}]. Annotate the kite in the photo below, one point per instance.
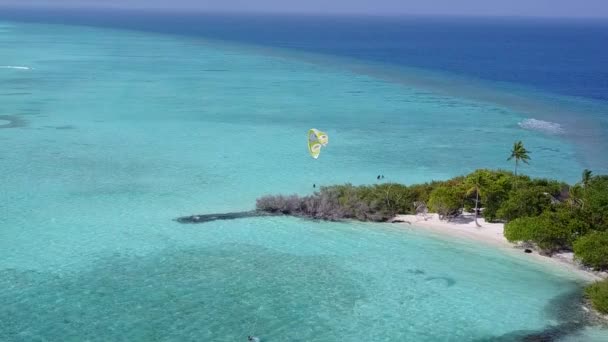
[{"x": 316, "y": 140}]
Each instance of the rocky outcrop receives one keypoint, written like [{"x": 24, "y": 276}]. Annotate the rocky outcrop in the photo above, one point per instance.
[{"x": 203, "y": 218}]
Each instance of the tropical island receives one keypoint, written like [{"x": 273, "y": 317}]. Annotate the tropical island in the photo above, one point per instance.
[{"x": 545, "y": 215}]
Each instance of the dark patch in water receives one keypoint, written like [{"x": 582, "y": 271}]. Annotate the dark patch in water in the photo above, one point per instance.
[
  {"x": 449, "y": 282},
  {"x": 415, "y": 271},
  {"x": 566, "y": 309},
  {"x": 65, "y": 127},
  {"x": 216, "y": 217},
  {"x": 550, "y": 149},
  {"x": 15, "y": 94},
  {"x": 222, "y": 293},
  {"x": 14, "y": 121},
  {"x": 550, "y": 334}
]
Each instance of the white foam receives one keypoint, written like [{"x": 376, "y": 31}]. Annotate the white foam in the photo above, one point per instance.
[
  {"x": 15, "y": 67},
  {"x": 542, "y": 126}
]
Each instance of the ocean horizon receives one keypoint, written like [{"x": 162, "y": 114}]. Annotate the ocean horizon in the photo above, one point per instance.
[{"x": 114, "y": 123}]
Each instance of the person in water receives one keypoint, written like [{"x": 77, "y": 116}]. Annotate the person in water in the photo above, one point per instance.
[
  {"x": 314, "y": 185},
  {"x": 252, "y": 339},
  {"x": 378, "y": 177}
]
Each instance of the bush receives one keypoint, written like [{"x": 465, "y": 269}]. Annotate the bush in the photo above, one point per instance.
[
  {"x": 330, "y": 203},
  {"x": 495, "y": 190},
  {"x": 421, "y": 192},
  {"x": 595, "y": 202},
  {"x": 524, "y": 202},
  {"x": 592, "y": 250},
  {"x": 597, "y": 294},
  {"x": 279, "y": 204},
  {"x": 502, "y": 196},
  {"x": 551, "y": 231},
  {"x": 446, "y": 200}
]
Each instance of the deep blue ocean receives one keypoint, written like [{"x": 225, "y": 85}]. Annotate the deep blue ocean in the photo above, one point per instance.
[{"x": 564, "y": 56}]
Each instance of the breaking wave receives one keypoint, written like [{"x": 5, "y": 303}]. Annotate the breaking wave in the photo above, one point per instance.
[
  {"x": 542, "y": 126},
  {"x": 15, "y": 67}
]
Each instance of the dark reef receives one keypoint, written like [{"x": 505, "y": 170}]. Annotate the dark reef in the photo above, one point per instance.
[
  {"x": 217, "y": 217},
  {"x": 569, "y": 315},
  {"x": 14, "y": 121}
]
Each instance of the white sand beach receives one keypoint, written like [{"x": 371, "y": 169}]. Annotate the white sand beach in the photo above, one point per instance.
[{"x": 491, "y": 234}]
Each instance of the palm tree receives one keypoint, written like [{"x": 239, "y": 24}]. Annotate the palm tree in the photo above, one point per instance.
[
  {"x": 575, "y": 196},
  {"x": 578, "y": 192},
  {"x": 519, "y": 153},
  {"x": 474, "y": 185},
  {"x": 586, "y": 178}
]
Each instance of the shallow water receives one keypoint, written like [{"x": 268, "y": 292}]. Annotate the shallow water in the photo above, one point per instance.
[
  {"x": 120, "y": 132},
  {"x": 285, "y": 279}
]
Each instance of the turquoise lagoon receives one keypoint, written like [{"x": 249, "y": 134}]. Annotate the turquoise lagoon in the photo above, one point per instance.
[{"x": 116, "y": 133}]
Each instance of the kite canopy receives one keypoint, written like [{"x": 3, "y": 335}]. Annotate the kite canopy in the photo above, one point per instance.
[{"x": 316, "y": 140}]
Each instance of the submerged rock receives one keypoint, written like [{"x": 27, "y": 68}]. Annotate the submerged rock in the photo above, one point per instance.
[
  {"x": 222, "y": 216},
  {"x": 449, "y": 282},
  {"x": 12, "y": 121}
]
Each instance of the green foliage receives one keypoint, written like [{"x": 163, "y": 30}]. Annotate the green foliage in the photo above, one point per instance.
[
  {"x": 494, "y": 188},
  {"x": 446, "y": 200},
  {"x": 548, "y": 213},
  {"x": 523, "y": 202},
  {"x": 519, "y": 153},
  {"x": 597, "y": 294},
  {"x": 551, "y": 231},
  {"x": 592, "y": 249},
  {"x": 586, "y": 178},
  {"x": 421, "y": 192},
  {"x": 595, "y": 201}
]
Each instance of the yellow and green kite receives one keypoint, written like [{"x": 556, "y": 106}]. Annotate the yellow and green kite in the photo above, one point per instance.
[{"x": 316, "y": 140}]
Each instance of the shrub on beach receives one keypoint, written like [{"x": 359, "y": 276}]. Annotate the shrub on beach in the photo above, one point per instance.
[
  {"x": 495, "y": 186},
  {"x": 446, "y": 200},
  {"x": 551, "y": 231},
  {"x": 332, "y": 203},
  {"x": 592, "y": 249},
  {"x": 528, "y": 201},
  {"x": 279, "y": 204},
  {"x": 595, "y": 201},
  {"x": 597, "y": 294},
  {"x": 557, "y": 214}
]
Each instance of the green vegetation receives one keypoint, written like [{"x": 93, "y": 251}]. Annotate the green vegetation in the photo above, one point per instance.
[
  {"x": 552, "y": 230},
  {"x": 550, "y": 214},
  {"x": 520, "y": 154},
  {"x": 446, "y": 200},
  {"x": 524, "y": 202},
  {"x": 597, "y": 294},
  {"x": 592, "y": 249},
  {"x": 475, "y": 185}
]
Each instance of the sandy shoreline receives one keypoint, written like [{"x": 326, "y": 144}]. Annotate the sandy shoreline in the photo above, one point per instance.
[{"x": 489, "y": 234}]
